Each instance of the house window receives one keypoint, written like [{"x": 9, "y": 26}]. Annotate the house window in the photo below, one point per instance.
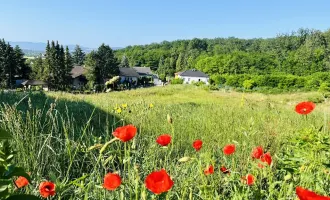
[
  {"x": 188, "y": 79},
  {"x": 199, "y": 80}
]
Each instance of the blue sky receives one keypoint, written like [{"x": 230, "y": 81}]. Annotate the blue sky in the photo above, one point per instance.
[{"x": 128, "y": 22}]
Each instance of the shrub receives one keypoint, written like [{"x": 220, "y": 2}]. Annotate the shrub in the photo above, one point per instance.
[
  {"x": 316, "y": 99},
  {"x": 324, "y": 88},
  {"x": 218, "y": 79},
  {"x": 177, "y": 81},
  {"x": 213, "y": 87},
  {"x": 198, "y": 83},
  {"x": 248, "y": 84},
  {"x": 313, "y": 83}
]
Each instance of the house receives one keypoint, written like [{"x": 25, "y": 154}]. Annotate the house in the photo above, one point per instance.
[
  {"x": 128, "y": 74},
  {"x": 19, "y": 80},
  {"x": 143, "y": 71},
  {"x": 193, "y": 75},
  {"x": 147, "y": 73},
  {"x": 30, "y": 83},
  {"x": 79, "y": 79},
  {"x": 157, "y": 80}
]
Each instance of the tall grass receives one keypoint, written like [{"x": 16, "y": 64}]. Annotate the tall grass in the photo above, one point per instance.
[{"x": 54, "y": 135}]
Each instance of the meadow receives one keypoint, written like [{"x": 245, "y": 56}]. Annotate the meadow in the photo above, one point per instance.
[{"x": 61, "y": 137}]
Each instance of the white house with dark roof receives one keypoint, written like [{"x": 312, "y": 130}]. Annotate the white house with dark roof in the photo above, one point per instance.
[{"x": 193, "y": 75}]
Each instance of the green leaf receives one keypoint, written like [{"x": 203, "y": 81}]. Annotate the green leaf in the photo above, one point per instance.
[
  {"x": 4, "y": 134},
  {"x": 23, "y": 196},
  {"x": 4, "y": 193},
  {"x": 321, "y": 128},
  {"x": 3, "y": 187}
]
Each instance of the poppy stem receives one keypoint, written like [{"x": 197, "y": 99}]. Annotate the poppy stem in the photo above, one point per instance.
[{"x": 173, "y": 138}]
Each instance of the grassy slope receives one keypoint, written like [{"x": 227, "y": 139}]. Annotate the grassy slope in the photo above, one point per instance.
[{"x": 60, "y": 138}]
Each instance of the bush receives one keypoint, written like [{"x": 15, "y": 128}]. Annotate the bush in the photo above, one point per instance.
[
  {"x": 213, "y": 87},
  {"x": 218, "y": 79},
  {"x": 316, "y": 99},
  {"x": 313, "y": 83},
  {"x": 198, "y": 83},
  {"x": 177, "y": 81},
  {"x": 324, "y": 88},
  {"x": 248, "y": 84}
]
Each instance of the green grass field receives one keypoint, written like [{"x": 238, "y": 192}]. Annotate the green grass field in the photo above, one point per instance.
[{"x": 54, "y": 132}]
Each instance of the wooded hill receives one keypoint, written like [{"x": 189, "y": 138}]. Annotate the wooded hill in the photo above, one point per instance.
[{"x": 301, "y": 53}]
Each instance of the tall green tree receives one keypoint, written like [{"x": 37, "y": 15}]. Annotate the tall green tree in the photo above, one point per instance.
[
  {"x": 102, "y": 65},
  {"x": 124, "y": 62},
  {"x": 181, "y": 62},
  {"x": 23, "y": 69},
  {"x": 38, "y": 68},
  {"x": 8, "y": 67},
  {"x": 78, "y": 56},
  {"x": 68, "y": 64}
]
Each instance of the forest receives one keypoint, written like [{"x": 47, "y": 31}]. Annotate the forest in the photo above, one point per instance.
[{"x": 300, "y": 53}]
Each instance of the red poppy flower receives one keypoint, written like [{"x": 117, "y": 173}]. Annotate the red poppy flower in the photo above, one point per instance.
[
  {"x": 21, "y": 182},
  {"x": 47, "y": 189},
  {"x": 224, "y": 170},
  {"x": 229, "y": 149},
  {"x": 209, "y": 170},
  {"x": 197, "y": 144},
  {"x": 159, "y": 182},
  {"x": 257, "y": 152},
  {"x": 267, "y": 158},
  {"x": 111, "y": 181},
  {"x": 304, "y": 194},
  {"x": 305, "y": 108},
  {"x": 249, "y": 179},
  {"x": 164, "y": 140},
  {"x": 125, "y": 133}
]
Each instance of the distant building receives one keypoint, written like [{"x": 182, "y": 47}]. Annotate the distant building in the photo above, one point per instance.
[
  {"x": 29, "y": 83},
  {"x": 193, "y": 75},
  {"x": 143, "y": 71},
  {"x": 79, "y": 79},
  {"x": 146, "y": 72},
  {"x": 128, "y": 74}
]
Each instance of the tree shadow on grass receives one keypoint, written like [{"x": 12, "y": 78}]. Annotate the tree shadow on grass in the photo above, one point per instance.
[{"x": 54, "y": 137}]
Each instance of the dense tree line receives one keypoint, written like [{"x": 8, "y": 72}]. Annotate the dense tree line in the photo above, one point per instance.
[
  {"x": 301, "y": 53},
  {"x": 55, "y": 68},
  {"x": 12, "y": 65}
]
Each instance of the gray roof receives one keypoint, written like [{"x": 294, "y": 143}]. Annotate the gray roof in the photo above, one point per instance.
[
  {"x": 77, "y": 71},
  {"x": 34, "y": 83},
  {"x": 127, "y": 71},
  {"x": 143, "y": 70},
  {"x": 194, "y": 73}
]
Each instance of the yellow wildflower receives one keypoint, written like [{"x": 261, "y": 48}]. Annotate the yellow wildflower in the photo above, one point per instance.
[
  {"x": 124, "y": 105},
  {"x": 118, "y": 110},
  {"x": 151, "y": 105}
]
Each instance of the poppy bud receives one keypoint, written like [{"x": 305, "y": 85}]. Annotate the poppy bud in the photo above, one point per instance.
[
  {"x": 287, "y": 177},
  {"x": 184, "y": 159},
  {"x": 169, "y": 119}
]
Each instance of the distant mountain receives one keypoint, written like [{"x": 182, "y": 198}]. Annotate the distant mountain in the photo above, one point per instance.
[{"x": 39, "y": 47}]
